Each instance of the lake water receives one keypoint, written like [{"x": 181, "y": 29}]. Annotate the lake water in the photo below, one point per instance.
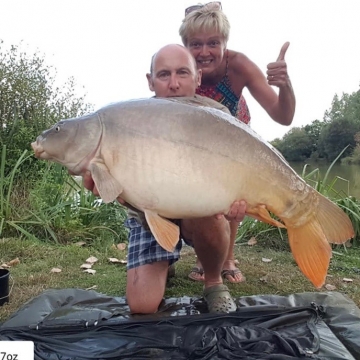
[{"x": 347, "y": 176}]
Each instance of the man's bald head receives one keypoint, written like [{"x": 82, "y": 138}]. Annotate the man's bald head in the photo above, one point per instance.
[
  {"x": 174, "y": 49},
  {"x": 173, "y": 72}
]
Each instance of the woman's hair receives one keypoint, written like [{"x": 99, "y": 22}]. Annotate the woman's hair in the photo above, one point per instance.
[{"x": 208, "y": 18}]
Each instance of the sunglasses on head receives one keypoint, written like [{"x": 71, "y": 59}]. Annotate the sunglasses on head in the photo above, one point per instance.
[{"x": 197, "y": 7}]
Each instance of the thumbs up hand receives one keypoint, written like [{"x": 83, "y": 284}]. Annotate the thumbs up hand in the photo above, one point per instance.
[{"x": 277, "y": 71}]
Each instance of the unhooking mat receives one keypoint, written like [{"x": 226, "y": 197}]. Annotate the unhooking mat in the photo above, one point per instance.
[{"x": 74, "y": 324}]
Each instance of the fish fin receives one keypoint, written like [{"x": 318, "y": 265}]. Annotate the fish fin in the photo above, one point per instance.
[
  {"x": 109, "y": 188},
  {"x": 260, "y": 212},
  {"x": 311, "y": 251},
  {"x": 335, "y": 223},
  {"x": 166, "y": 233}
]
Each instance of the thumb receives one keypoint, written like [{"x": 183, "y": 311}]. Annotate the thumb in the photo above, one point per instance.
[{"x": 283, "y": 51}]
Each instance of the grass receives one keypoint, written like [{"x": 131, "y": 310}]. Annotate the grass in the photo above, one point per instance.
[{"x": 280, "y": 276}]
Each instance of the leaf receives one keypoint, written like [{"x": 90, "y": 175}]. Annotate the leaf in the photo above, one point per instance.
[
  {"x": 90, "y": 271},
  {"x": 347, "y": 280},
  {"x": 332, "y": 164},
  {"x": 121, "y": 246},
  {"x": 86, "y": 266},
  {"x": 55, "y": 270},
  {"x": 91, "y": 260},
  {"x": 264, "y": 278},
  {"x": 252, "y": 241},
  {"x": 80, "y": 243},
  {"x": 92, "y": 287},
  {"x": 14, "y": 262},
  {"x": 266, "y": 260},
  {"x": 330, "y": 287},
  {"x": 117, "y": 261}
]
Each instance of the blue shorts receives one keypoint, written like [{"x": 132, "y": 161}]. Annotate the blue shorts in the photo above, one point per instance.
[{"x": 144, "y": 249}]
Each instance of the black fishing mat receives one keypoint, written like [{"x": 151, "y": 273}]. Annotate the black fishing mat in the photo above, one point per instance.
[{"x": 74, "y": 324}]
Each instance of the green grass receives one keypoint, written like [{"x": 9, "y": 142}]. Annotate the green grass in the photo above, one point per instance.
[{"x": 280, "y": 276}]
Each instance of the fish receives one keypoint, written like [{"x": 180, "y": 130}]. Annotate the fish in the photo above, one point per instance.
[{"x": 174, "y": 158}]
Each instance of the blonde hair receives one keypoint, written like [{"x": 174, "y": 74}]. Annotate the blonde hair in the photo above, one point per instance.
[{"x": 208, "y": 18}]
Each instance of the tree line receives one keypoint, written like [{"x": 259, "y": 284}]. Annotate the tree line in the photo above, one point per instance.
[{"x": 325, "y": 139}]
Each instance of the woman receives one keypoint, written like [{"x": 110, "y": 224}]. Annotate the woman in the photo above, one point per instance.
[{"x": 225, "y": 73}]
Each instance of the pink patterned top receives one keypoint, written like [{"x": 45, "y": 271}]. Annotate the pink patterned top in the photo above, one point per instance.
[{"x": 223, "y": 93}]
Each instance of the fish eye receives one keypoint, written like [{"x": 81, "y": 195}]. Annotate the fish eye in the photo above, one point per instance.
[{"x": 57, "y": 129}]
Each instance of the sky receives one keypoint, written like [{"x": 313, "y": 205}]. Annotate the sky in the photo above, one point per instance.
[{"x": 106, "y": 45}]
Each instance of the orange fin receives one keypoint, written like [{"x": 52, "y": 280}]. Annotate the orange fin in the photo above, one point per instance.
[
  {"x": 334, "y": 222},
  {"x": 260, "y": 212},
  {"x": 311, "y": 251},
  {"x": 166, "y": 233}
]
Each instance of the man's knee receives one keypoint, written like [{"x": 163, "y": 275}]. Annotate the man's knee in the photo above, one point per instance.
[
  {"x": 146, "y": 287},
  {"x": 139, "y": 306}
]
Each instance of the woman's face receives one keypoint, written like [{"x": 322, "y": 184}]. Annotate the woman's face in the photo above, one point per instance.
[{"x": 208, "y": 50}]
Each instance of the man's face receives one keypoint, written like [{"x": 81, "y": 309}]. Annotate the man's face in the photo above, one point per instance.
[{"x": 174, "y": 73}]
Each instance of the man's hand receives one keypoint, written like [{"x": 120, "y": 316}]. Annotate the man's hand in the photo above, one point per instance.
[
  {"x": 277, "y": 71},
  {"x": 89, "y": 183},
  {"x": 236, "y": 213}
]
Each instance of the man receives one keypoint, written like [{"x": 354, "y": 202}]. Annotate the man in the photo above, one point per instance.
[{"x": 174, "y": 74}]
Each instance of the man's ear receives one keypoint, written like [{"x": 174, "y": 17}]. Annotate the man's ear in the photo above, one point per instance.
[
  {"x": 150, "y": 82},
  {"x": 199, "y": 74}
]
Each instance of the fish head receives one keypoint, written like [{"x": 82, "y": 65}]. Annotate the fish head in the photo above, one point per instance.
[{"x": 72, "y": 143}]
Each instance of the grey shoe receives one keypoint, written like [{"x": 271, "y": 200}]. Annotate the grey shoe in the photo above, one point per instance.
[{"x": 218, "y": 299}]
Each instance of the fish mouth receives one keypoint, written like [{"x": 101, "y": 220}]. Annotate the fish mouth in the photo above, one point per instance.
[{"x": 38, "y": 149}]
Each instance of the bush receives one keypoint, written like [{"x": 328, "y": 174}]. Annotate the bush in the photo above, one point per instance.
[
  {"x": 30, "y": 103},
  {"x": 38, "y": 199},
  {"x": 56, "y": 207}
]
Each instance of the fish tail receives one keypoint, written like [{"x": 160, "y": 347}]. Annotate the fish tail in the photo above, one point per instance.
[
  {"x": 334, "y": 222},
  {"x": 309, "y": 242},
  {"x": 311, "y": 251}
]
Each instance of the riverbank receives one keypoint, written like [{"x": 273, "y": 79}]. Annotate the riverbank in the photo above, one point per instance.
[{"x": 268, "y": 271}]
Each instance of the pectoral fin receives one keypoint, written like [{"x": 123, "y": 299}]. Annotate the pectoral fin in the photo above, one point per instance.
[
  {"x": 109, "y": 188},
  {"x": 166, "y": 233},
  {"x": 260, "y": 212}
]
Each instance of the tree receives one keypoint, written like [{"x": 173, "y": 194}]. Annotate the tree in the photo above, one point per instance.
[
  {"x": 327, "y": 138},
  {"x": 337, "y": 108},
  {"x": 336, "y": 135},
  {"x": 313, "y": 131},
  {"x": 296, "y": 145},
  {"x": 30, "y": 102},
  {"x": 342, "y": 122}
]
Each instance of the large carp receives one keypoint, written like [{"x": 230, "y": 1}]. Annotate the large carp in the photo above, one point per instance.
[{"x": 173, "y": 158}]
